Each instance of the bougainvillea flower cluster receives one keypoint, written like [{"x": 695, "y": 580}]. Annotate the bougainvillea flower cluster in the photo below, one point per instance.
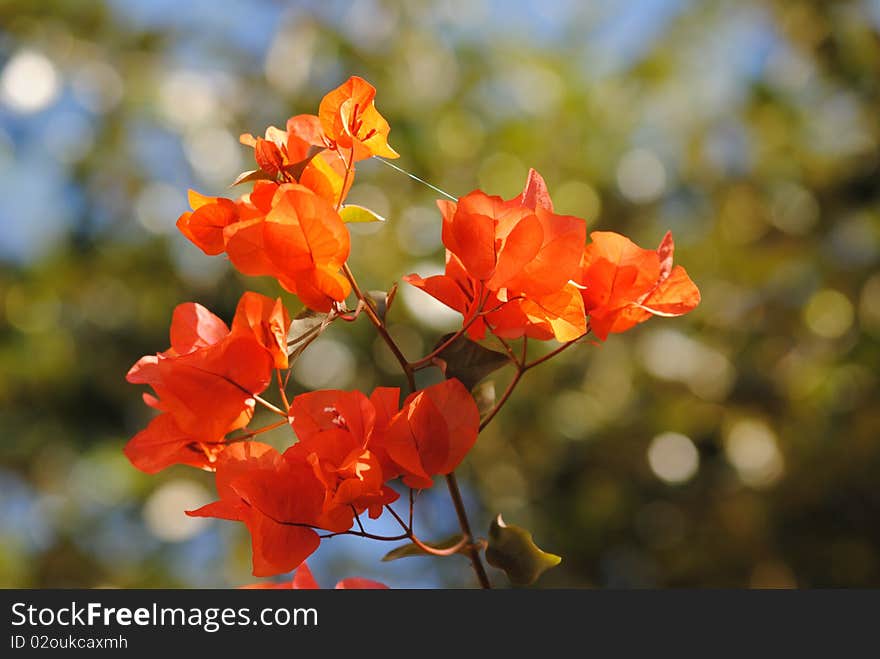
[
  {"x": 515, "y": 270},
  {"x": 350, "y": 447},
  {"x": 205, "y": 383}
]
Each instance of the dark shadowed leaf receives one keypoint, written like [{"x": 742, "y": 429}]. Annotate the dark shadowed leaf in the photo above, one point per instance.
[
  {"x": 468, "y": 361},
  {"x": 252, "y": 175},
  {"x": 414, "y": 550},
  {"x": 512, "y": 549},
  {"x": 296, "y": 169}
]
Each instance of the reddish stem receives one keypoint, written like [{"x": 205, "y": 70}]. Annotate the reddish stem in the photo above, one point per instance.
[
  {"x": 551, "y": 355},
  {"x": 428, "y": 549},
  {"x": 380, "y": 328},
  {"x": 258, "y": 431},
  {"x": 281, "y": 390},
  {"x": 507, "y": 392}
]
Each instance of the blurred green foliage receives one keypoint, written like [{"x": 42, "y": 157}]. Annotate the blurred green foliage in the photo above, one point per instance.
[{"x": 739, "y": 446}]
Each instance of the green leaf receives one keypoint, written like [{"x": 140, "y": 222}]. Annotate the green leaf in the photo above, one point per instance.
[
  {"x": 305, "y": 326},
  {"x": 413, "y": 549},
  {"x": 467, "y": 360},
  {"x": 512, "y": 549},
  {"x": 355, "y": 213}
]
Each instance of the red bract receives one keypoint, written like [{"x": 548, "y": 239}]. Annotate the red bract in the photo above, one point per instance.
[
  {"x": 162, "y": 443},
  {"x": 509, "y": 265},
  {"x": 350, "y": 120},
  {"x": 278, "y": 499},
  {"x": 349, "y": 447},
  {"x": 303, "y": 579},
  {"x": 336, "y": 431},
  {"x": 624, "y": 285},
  {"x": 432, "y": 433},
  {"x": 206, "y": 381}
]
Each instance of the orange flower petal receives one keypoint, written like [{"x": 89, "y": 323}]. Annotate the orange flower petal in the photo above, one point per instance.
[{"x": 193, "y": 327}]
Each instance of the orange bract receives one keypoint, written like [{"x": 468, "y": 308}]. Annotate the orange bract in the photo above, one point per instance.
[
  {"x": 509, "y": 263},
  {"x": 267, "y": 321},
  {"x": 299, "y": 155},
  {"x": 286, "y": 231},
  {"x": 288, "y": 227},
  {"x": 308, "y": 243},
  {"x": 557, "y": 315},
  {"x": 204, "y": 225},
  {"x": 350, "y": 120},
  {"x": 624, "y": 285}
]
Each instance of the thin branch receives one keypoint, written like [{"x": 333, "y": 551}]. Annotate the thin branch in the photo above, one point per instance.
[
  {"x": 553, "y": 353},
  {"x": 425, "y": 547},
  {"x": 473, "y": 550},
  {"x": 509, "y": 351},
  {"x": 371, "y": 536},
  {"x": 357, "y": 518},
  {"x": 399, "y": 519},
  {"x": 360, "y": 534},
  {"x": 380, "y": 328},
  {"x": 258, "y": 431},
  {"x": 507, "y": 392},
  {"x": 429, "y": 358}
]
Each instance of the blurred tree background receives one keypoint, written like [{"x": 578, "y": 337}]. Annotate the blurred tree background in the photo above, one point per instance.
[{"x": 738, "y": 446}]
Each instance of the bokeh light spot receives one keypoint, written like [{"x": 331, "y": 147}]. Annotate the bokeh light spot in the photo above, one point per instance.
[
  {"x": 641, "y": 176},
  {"x": 164, "y": 510},
  {"x": 829, "y": 314},
  {"x": 673, "y": 457},
  {"x": 750, "y": 445},
  {"x": 29, "y": 82}
]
